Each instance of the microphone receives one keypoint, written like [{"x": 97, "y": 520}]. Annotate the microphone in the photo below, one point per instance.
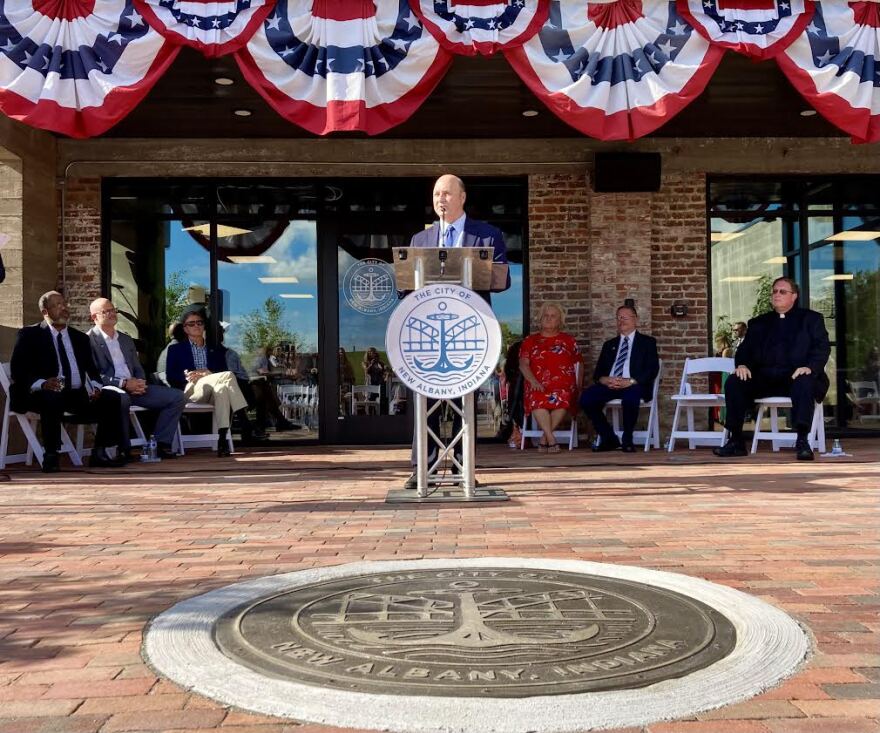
[{"x": 441, "y": 233}]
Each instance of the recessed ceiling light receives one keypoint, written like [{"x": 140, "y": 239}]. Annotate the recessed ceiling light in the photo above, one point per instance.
[
  {"x": 724, "y": 236},
  {"x": 843, "y": 276},
  {"x": 740, "y": 279},
  {"x": 808, "y": 113},
  {"x": 224, "y": 81},
  {"x": 268, "y": 280},
  {"x": 242, "y": 112},
  {"x": 530, "y": 113},
  {"x": 854, "y": 235},
  {"x": 781, "y": 260},
  {"x": 301, "y": 296},
  {"x": 252, "y": 259}
]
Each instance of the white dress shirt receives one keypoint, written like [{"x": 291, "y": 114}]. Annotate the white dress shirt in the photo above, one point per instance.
[
  {"x": 120, "y": 367},
  {"x": 75, "y": 376}
]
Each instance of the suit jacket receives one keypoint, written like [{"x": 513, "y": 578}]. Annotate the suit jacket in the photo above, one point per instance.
[
  {"x": 34, "y": 357},
  {"x": 180, "y": 358},
  {"x": 644, "y": 363},
  {"x": 808, "y": 345},
  {"x": 104, "y": 361},
  {"x": 476, "y": 234}
]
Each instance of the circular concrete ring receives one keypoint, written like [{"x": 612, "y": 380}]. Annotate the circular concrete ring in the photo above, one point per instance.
[{"x": 770, "y": 646}]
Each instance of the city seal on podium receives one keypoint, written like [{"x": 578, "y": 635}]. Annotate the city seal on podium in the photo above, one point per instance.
[
  {"x": 443, "y": 341},
  {"x": 369, "y": 287}
]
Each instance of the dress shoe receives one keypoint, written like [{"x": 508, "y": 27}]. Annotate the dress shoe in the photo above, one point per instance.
[
  {"x": 50, "y": 463},
  {"x": 100, "y": 459},
  {"x": 164, "y": 450},
  {"x": 124, "y": 456},
  {"x": 223, "y": 449},
  {"x": 628, "y": 448},
  {"x": 804, "y": 452},
  {"x": 732, "y": 448},
  {"x": 606, "y": 446}
]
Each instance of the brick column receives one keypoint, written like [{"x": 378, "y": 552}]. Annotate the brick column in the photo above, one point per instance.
[{"x": 79, "y": 252}]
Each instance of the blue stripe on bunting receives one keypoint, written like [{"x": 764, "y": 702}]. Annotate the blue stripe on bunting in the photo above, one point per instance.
[
  {"x": 826, "y": 50},
  {"x": 464, "y": 24},
  {"x": 203, "y": 22},
  {"x": 753, "y": 28}
]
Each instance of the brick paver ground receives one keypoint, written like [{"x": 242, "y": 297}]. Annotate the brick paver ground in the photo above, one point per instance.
[{"x": 88, "y": 557}]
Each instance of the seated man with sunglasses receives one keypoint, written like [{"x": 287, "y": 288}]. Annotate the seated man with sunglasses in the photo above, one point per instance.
[
  {"x": 200, "y": 370},
  {"x": 783, "y": 354}
]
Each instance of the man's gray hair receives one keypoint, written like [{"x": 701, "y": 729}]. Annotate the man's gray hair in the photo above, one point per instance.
[{"x": 43, "y": 302}]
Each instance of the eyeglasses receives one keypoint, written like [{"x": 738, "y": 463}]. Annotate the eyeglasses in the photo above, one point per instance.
[
  {"x": 193, "y": 323},
  {"x": 780, "y": 291},
  {"x": 109, "y": 312}
]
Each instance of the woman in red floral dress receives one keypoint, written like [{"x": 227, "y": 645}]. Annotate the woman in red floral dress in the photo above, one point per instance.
[{"x": 548, "y": 361}]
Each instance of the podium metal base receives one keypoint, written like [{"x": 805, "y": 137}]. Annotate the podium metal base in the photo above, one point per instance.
[{"x": 445, "y": 495}]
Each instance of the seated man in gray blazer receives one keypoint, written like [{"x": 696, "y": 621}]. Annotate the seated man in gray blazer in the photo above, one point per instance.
[{"x": 117, "y": 360}]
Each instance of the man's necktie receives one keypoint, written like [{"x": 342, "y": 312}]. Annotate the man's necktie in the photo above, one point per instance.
[
  {"x": 449, "y": 240},
  {"x": 621, "y": 359},
  {"x": 65, "y": 363}
]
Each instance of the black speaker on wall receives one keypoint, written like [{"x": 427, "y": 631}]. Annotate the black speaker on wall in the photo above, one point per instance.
[{"x": 626, "y": 172}]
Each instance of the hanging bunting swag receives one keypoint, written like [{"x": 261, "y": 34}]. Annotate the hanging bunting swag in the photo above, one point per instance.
[
  {"x": 213, "y": 27},
  {"x": 835, "y": 65},
  {"x": 759, "y": 29},
  {"x": 615, "y": 71},
  {"x": 76, "y": 66},
  {"x": 481, "y": 26},
  {"x": 343, "y": 65}
]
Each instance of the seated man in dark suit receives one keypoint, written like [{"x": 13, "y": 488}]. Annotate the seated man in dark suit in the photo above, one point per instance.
[
  {"x": 455, "y": 229},
  {"x": 783, "y": 354},
  {"x": 117, "y": 360},
  {"x": 626, "y": 370},
  {"x": 52, "y": 367}
]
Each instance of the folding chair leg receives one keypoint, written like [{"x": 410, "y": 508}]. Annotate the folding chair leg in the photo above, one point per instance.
[
  {"x": 674, "y": 429},
  {"x": 758, "y": 418},
  {"x": 4, "y": 440}
]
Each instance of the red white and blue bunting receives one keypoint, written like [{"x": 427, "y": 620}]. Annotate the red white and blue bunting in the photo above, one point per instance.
[
  {"x": 481, "y": 26},
  {"x": 616, "y": 71},
  {"x": 213, "y": 27},
  {"x": 613, "y": 69},
  {"x": 344, "y": 65},
  {"x": 835, "y": 65},
  {"x": 757, "y": 28},
  {"x": 76, "y": 66}
]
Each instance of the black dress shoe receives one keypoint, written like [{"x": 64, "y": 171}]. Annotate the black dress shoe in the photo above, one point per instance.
[
  {"x": 100, "y": 459},
  {"x": 732, "y": 448},
  {"x": 163, "y": 450},
  {"x": 606, "y": 446},
  {"x": 124, "y": 456},
  {"x": 804, "y": 452},
  {"x": 223, "y": 449},
  {"x": 50, "y": 463},
  {"x": 628, "y": 448}
]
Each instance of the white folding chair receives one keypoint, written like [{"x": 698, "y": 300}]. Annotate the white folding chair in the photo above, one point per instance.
[
  {"x": 786, "y": 437},
  {"x": 687, "y": 401},
  {"x": 651, "y": 436},
  {"x": 27, "y": 422},
  {"x": 564, "y": 437},
  {"x": 201, "y": 440},
  {"x": 365, "y": 397},
  {"x": 866, "y": 400}
]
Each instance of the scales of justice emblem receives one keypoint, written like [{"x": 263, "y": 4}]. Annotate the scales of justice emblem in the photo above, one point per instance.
[{"x": 369, "y": 286}]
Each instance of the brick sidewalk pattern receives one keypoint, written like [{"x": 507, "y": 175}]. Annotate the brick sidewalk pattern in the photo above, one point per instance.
[{"x": 87, "y": 557}]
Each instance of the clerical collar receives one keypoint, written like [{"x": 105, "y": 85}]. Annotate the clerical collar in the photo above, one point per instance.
[{"x": 782, "y": 315}]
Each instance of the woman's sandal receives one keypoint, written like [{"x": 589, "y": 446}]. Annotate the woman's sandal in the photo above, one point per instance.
[
  {"x": 553, "y": 448},
  {"x": 542, "y": 447}
]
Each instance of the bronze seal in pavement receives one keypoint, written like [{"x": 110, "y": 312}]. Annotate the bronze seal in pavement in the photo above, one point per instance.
[{"x": 476, "y": 632}]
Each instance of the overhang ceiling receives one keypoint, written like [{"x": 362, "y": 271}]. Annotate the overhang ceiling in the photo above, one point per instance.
[{"x": 478, "y": 98}]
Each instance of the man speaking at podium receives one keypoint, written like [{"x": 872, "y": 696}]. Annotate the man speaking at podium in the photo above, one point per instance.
[{"x": 455, "y": 229}]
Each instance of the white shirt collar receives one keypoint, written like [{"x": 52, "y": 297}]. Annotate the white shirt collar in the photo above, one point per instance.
[
  {"x": 114, "y": 337},
  {"x": 459, "y": 227}
]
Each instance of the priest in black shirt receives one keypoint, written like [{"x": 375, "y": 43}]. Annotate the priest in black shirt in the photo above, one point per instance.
[{"x": 783, "y": 355}]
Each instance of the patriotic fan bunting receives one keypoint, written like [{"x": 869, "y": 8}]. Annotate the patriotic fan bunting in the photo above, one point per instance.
[
  {"x": 76, "y": 66},
  {"x": 343, "y": 65},
  {"x": 617, "y": 70},
  {"x": 214, "y": 28},
  {"x": 481, "y": 26},
  {"x": 835, "y": 65},
  {"x": 757, "y": 28}
]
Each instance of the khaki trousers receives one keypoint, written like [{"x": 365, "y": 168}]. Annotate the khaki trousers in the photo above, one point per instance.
[{"x": 221, "y": 390}]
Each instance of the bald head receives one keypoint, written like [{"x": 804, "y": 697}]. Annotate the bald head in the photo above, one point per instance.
[
  {"x": 103, "y": 315},
  {"x": 449, "y": 196}
]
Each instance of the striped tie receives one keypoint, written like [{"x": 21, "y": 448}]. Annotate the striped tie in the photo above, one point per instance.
[{"x": 621, "y": 358}]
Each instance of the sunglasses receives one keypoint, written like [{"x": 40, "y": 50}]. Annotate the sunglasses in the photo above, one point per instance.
[
  {"x": 193, "y": 323},
  {"x": 780, "y": 291}
]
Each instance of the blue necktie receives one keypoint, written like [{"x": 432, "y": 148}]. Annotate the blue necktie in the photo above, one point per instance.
[
  {"x": 621, "y": 359},
  {"x": 449, "y": 240}
]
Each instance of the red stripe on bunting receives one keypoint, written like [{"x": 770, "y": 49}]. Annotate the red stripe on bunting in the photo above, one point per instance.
[
  {"x": 210, "y": 50},
  {"x": 64, "y": 9},
  {"x": 473, "y": 3},
  {"x": 753, "y": 51},
  {"x": 611, "y": 15},
  {"x": 338, "y": 116},
  {"x": 91, "y": 121},
  {"x": 343, "y": 9},
  {"x": 866, "y": 14},
  {"x": 627, "y": 124},
  {"x": 855, "y": 121},
  {"x": 746, "y": 4}
]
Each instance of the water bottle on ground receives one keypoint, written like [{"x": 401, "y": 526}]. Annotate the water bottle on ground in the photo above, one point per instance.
[
  {"x": 836, "y": 448},
  {"x": 153, "y": 450}
]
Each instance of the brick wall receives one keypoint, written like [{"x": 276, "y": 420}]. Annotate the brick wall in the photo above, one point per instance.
[{"x": 79, "y": 265}]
